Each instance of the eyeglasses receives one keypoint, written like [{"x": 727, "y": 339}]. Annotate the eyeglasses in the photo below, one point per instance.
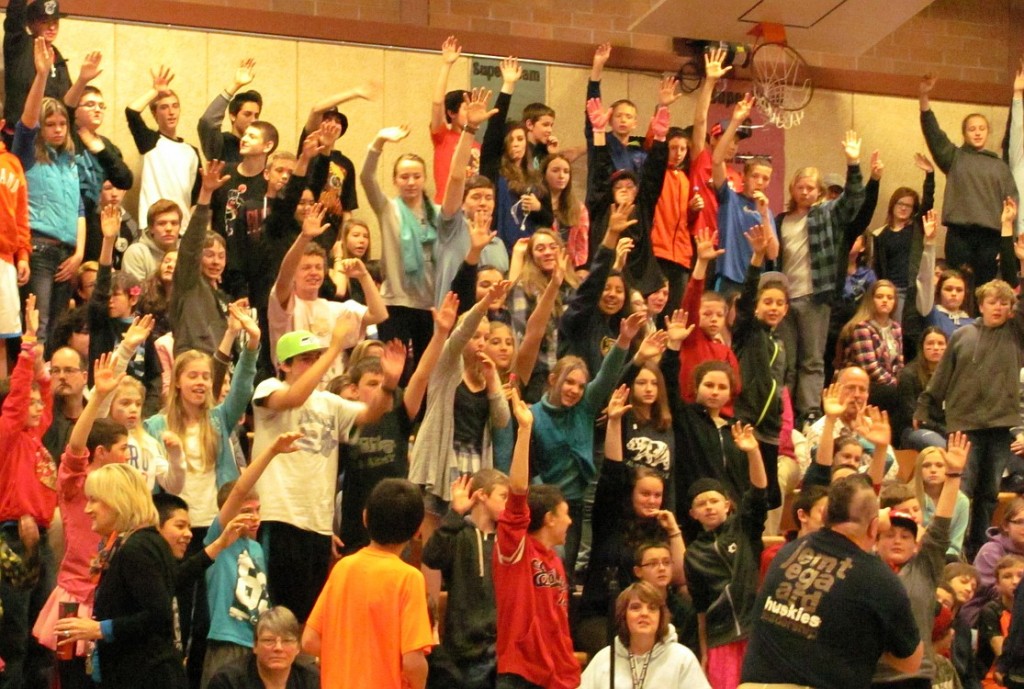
[
  {"x": 273, "y": 641},
  {"x": 93, "y": 105},
  {"x": 65, "y": 370},
  {"x": 657, "y": 563}
]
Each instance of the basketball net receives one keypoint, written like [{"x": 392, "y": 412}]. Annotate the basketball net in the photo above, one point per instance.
[{"x": 782, "y": 84}]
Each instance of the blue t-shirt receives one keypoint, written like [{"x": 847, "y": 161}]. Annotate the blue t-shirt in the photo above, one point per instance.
[
  {"x": 236, "y": 589},
  {"x": 736, "y": 215}
]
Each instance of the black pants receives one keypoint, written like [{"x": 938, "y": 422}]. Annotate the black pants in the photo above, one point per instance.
[
  {"x": 194, "y": 615},
  {"x": 414, "y": 327},
  {"x": 298, "y": 562},
  {"x": 677, "y": 277},
  {"x": 977, "y": 248},
  {"x": 29, "y": 664}
]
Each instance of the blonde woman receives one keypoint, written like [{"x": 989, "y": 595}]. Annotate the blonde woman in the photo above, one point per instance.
[
  {"x": 133, "y": 618},
  {"x": 929, "y": 477}
]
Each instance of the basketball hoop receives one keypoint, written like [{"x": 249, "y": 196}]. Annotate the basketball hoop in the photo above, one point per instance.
[{"x": 782, "y": 82}]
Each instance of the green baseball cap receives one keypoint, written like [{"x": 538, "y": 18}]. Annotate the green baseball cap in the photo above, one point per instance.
[{"x": 297, "y": 342}]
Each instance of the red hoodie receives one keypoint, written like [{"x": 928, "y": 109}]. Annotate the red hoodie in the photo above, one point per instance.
[{"x": 698, "y": 347}]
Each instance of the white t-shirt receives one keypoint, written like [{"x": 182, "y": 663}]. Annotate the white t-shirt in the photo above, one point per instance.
[
  {"x": 148, "y": 457},
  {"x": 796, "y": 255},
  {"x": 318, "y": 316},
  {"x": 298, "y": 488},
  {"x": 200, "y": 490}
]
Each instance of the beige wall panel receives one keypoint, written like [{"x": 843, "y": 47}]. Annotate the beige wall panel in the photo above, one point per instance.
[
  {"x": 817, "y": 140},
  {"x": 276, "y": 72}
]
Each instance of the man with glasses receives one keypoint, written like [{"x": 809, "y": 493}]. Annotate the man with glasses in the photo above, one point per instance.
[
  {"x": 272, "y": 663},
  {"x": 654, "y": 565},
  {"x": 68, "y": 370}
]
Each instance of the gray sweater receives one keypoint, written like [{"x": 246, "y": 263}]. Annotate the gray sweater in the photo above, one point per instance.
[
  {"x": 920, "y": 576},
  {"x": 977, "y": 379},
  {"x": 976, "y": 181}
]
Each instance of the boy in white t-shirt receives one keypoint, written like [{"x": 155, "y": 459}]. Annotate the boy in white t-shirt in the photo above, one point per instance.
[
  {"x": 297, "y": 491},
  {"x": 295, "y": 303}
]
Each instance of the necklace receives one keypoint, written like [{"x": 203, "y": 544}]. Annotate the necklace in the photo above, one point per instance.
[{"x": 634, "y": 664}]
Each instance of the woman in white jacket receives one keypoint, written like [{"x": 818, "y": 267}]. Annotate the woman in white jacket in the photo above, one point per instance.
[{"x": 646, "y": 651}]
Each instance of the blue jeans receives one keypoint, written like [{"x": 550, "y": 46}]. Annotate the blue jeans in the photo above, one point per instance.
[
  {"x": 28, "y": 663},
  {"x": 990, "y": 451},
  {"x": 51, "y": 297}
]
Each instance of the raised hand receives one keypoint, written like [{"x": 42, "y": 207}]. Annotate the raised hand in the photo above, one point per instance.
[
  {"x": 329, "y": 132},
  {"x": 162, "y": 78},
  {"x": 622, "y": 249},
  {"x": 926, "y": 85},
  {"x": 851, "y": 146},
  {"x": 931, "y": 226},
  {"x": 618, "y": 404},
  {"x": 630, "y": 325},
  {"x": 713, "y": 59},
  {"x": 249, "y": 325},
  {"x": 313, "y": 225},
  {"x": 394, "y": 134},
  {"x": 511, "y": 72},
  {"x": 601, "y": 55},
  {"x": 90, "y": 68},
  {"x": 757, "y": 239},
  {"x": 110, "y": 221},
  {"x": 42, "y": 56},
  {"x": 212, "y": 177},
  {"x": 667, "y": 94},
  {"x": 286, "y": 442},
  {"x": 480, "y": 233},
  {"x": 521, "y": 410},
  {"x": 877, "y": 166},
  {"x": 346, "y": 323},
  {"x": 31, "y": 316},
  {"x": 667, "y": 521},
  {"x": 450, "y": 50},
  {"x": 498, "y": 292},
  {"x": 105, "y": 380},
  {"x": 923, "y": 163},
  {"x": 677, "y": 328},
  {"x": 561, "y": 267},
  {"x": 833, "y": 400},
  {"x": 743, "y": 436},
  {"x": 873, "y": 425},
  {"x": 618, "y": 218},
  {"x": 476, "y": 107},
  {"x": 957, "y": 450},
  {"x": 652, "y": 346},
  {"x": 597, "y": 115},
  {"x": 311, "y": 145},
  {"x": 139, "y": 331},
  {"x": 245, "y": 73},
  {"x": 761, "y": 199},
  {"x": 445, "y": 317},
  {"x": 743, "y": 107},
  {"x": 392, "y": 360},
  {"x": 462, "y": 500},
  {"x": 706, "y": 245},
  {"x": 1009, "y": 213}
]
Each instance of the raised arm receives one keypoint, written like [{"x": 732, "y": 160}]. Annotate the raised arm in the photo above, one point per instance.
[
  {"x": 366, "y": 91},
  {"x": 105, "y": 382},
  {"x": 476, "y": 114},
  {"x": 743, "y": 436},
  {"x": 519, "y": 472},
  {"x": 941, "y": 147},
  {"x": 713, "y": 71},
  {"x": 957, "y": 450},
  {"x": 209, "y": 128},
  {"x": 494, "y": 136},
  {"x": 617, "y": 407},
  {"x": 536, "y": 325},
  {"x": 444, "y": 321},
  {"x": 368, "y": 174},
  {"x": 312, "y": 227},
  {"x": 718, "y": 157},
  {"x": 42, "y": 58},
  {"x": 162, "y": 77},
  {"x": 89, "y": 70},
  {"x": 450, "y": 52},
  {"x": 833, "y": 402},
  {"x": 873, "y": 425},
  {"x": 283, "y": 444},
  {"x": 926, "y": 273}
]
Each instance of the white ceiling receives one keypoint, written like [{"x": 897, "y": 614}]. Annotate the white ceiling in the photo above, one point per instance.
[{"x": 847, "y": 27}]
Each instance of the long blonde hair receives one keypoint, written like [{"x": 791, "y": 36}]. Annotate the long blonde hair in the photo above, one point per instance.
[
  {"x": 178, "y": 418},
  {"x": 865, "y": 309},
  {"x": 532, "y": 279}
]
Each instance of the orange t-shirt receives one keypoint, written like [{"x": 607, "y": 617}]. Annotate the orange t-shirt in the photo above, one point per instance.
[{"x": 372, "y": 611}]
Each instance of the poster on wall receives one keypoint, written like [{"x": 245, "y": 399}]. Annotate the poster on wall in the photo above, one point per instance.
[{"x": 485, "y": 72}]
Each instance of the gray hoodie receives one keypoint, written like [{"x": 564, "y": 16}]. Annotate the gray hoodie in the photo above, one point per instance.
[{"x": 142, "y": 258}]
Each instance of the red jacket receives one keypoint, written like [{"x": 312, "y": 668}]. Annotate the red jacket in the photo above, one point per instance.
[
  {"x": 698, "y": 348},
  {"x": 532, "y": 596},
  {"x": 15, "y": 240},
  {"x": 28, "y": 475}
]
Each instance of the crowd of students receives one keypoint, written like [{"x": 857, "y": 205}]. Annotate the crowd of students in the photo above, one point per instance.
[{"x": 231, "y": 435}]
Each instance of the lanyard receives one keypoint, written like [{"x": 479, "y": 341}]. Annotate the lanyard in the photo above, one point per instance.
[{"x": 639, "y": 677}]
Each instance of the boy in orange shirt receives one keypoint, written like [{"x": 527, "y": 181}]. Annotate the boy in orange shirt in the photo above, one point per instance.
[{"x": 354, "y": 628}]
